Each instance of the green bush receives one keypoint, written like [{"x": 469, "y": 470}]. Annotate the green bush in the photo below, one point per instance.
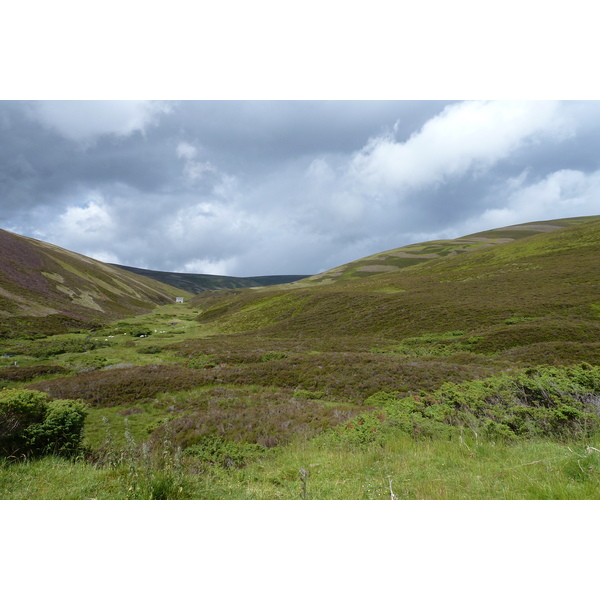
[
  {"x": 150, "y": 350},
  {"x": 217, "y": 451},
  {"x": 124, "y": 328},
  {"x": 381, "y": 398},
  {"x": 360, "y": 431},
  {"x": 201, "y": 361},
  {"x": 543, "y": 401},
  {"x": 30, "y": 425},
  {"x": 47, "y": 349},
  {"x": 89, "y": 363},
  {"x": 548, "y": 401}
]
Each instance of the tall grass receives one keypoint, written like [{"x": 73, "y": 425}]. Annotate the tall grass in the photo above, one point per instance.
[{"x": 428, "y": 469}]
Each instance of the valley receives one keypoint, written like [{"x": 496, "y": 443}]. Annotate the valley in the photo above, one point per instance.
[{"x": 453, "y": 369}]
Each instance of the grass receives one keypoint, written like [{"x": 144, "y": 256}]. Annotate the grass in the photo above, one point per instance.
[
  {"x": 452, "y": 469},
  {"x": 419, "y": 379}
]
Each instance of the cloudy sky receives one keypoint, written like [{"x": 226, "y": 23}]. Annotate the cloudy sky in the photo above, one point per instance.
[{"x": 287, "y": 187}]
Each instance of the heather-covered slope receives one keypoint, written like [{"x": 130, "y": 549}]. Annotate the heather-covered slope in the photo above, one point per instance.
[
  {"x": 44, "y": 288},
  {"x": 416, "y": 254},
  {"x": 541, "y": 289}
]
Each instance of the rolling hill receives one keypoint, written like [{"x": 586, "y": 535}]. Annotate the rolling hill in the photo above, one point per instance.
[
  {"x": 540, "y": 289},
  {"x": 416, "y": 254},
  {"x": 47, "y": 289}
]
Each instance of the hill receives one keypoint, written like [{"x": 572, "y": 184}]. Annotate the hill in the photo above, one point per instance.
[
  {"x": 47, "y": 289},
  {"x": 473, "y": 374},
  {"x": 540, "y": 289},
  {"x": 390, "y": 261},
  {"x": 196, "y": 283}
]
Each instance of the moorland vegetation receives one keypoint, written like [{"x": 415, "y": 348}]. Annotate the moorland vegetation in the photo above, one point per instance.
[{"x": 469, "y": 372}]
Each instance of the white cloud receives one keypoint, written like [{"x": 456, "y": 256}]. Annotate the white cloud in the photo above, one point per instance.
[
  {"x": 185, "y": 150},
  {"x": 196, "y": 170},
  {"x": 193, "y": 169},
  {"x": 562, "y": 194},
  {"x": 226, "y": 188},
  {"x": 210, "y": 266},
  {"x": 84, "y": 120},
  {"x": 92, "y": 219},
  {"x": 190, "y": 221},
  {"x": 346, "y": 209},
  {"x": 319, "y": 172},
  {"x": 104, "y": 256},
  {"x": 469, "y": 135},
  {"x": 88, "y": 229}
]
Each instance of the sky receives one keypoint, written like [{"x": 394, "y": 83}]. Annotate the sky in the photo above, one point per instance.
[
  {"x": 253, "y": 187},
  {"x": 291, "y": 141}
]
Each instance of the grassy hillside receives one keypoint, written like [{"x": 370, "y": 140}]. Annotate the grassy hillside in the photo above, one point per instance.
[
  {"x": 469, "y": 375},
  {"x": 415, "y": 254},
  {"x": 196, "y": 283},
  {"x": 544, "y": 287},
  {"x": 45, "y": 289}
]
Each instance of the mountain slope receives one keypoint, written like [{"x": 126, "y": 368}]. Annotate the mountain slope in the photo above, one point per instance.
[
  {"x": 44, "y": 288},
  {"x": 196, "y": 283},
  {"x": 541, "y": 289},
  {"x": 415, "y": 254}
]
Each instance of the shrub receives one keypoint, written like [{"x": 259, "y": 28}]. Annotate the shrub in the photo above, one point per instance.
[
  {"x": 47, "y": 349},
  {"x": 514, "y": 320},
  {"x": 124, "y": 328},
  {"x": 381, "y": 398},
  {"x": 273, "y": 355},
  {"x": 548, "y": 401},
  {"x": 150, "y": 350},
  {"x": 262, "y": 416},
  {"x": 89, "y": 363},
  {"x": 309, "y": 394},
  {"x": 29, "y": 373},
  {"x": 61, "y": 430},
  {"x": 120, "y": 386},
  {"x": 30, "y": 425},
  {"x": 544, "y": 401},
  {"x": 201, "y": 361},
  {"x": 215, "y": 450},
  {"x": 139, "y": 331},
  {"x": 360, "y": 431}
]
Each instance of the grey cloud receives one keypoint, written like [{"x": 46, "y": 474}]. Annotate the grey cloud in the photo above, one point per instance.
[
  {"x": 85, "y": 121},
  {"x": 252, "y": 188}
]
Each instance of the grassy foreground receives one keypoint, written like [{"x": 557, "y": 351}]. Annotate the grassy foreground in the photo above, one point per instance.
[{"x": 402, "y": 469}]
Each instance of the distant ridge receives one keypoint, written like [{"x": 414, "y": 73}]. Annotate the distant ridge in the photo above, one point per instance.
[{"x": 196, "y": 283}]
